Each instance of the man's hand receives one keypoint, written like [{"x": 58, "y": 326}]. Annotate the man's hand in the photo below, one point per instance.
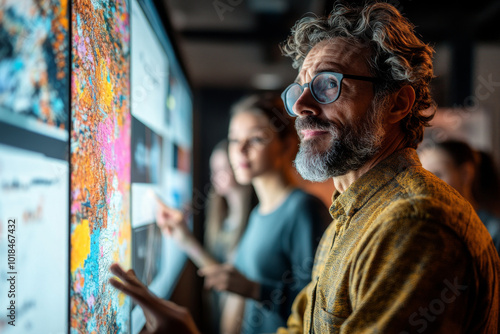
[
  {"x": 224, "y": 277},
  {"x": 161, "y": 316}
]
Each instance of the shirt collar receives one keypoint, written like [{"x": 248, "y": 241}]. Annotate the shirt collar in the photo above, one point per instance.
[{"x": 358, "y": 193}]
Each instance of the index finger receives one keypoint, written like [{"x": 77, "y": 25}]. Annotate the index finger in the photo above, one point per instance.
[
  {"x": 116, "y": 269},
  {"x": 126, "y": 276},
  {"x": 159, "y": 200}
]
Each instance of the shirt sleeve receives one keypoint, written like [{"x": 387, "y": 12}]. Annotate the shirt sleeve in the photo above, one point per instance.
[{"x": 410, "y": 276}]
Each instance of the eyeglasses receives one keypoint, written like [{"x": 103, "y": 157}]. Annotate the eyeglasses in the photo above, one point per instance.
[{"x": 325, "y": 88}]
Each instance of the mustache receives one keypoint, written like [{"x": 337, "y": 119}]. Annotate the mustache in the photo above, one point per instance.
[{"x": 313, "y": 123}]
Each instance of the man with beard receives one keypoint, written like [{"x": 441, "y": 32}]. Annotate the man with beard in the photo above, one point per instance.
[{"x": 404, "y": 253}]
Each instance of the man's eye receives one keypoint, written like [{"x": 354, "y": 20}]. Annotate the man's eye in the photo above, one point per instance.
[{"x": 332, "y": 84}]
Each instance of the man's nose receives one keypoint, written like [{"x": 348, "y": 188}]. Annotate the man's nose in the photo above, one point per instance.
[{"x": 306, "y": 105}]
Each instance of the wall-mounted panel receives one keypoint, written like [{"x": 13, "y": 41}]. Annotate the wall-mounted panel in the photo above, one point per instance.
[{"x": 100, "y": 160}]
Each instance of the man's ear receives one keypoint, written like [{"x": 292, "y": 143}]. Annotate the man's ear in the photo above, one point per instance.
[{"x": 402, "y": 103}]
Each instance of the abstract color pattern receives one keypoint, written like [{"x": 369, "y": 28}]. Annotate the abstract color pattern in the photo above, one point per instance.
[
  {"x": 100, "y": 164},
  {"x": 34, "y": 69}
]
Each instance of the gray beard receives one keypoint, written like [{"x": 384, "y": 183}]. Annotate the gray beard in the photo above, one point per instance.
[{"x": 349, "y": 149}]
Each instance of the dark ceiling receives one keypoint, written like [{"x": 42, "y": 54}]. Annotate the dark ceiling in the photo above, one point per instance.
[{"x": 234, "y": 43}]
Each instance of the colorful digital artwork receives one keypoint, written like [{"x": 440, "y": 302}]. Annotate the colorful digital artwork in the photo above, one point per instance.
[
  {"x": 100, "y": 160},
  {"x": 34, "y": 68}
]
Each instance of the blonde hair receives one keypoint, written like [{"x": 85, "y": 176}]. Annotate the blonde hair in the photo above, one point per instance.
[{"x": 217, "y": 211}]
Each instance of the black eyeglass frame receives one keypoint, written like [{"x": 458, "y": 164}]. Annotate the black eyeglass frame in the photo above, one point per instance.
[{"x": 339, "y": 76}]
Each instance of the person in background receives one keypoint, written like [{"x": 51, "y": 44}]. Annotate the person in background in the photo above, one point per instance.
[
  {"x": 228, "y": 209},
  {"x": 274, "y": 257},
  {"x": 399, "y": 256},
  {"x": 472, "y": 174}
]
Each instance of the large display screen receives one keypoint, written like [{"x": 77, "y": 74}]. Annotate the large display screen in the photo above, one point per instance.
[
  {"x": 34, "y": 168},
  {"x": 161, "y": 110},
  {"x": 34, "y": 247},
  {"x": 95, "y": 123},
  {"x": 100, "y": 160},
  {"x": 34, "y": 68}
]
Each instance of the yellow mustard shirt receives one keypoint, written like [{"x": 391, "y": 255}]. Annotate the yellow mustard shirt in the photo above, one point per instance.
[{"x": 405, "y": 253}]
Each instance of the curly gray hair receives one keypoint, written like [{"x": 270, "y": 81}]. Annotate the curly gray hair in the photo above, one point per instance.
[{"x": 396, "y": 55}]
